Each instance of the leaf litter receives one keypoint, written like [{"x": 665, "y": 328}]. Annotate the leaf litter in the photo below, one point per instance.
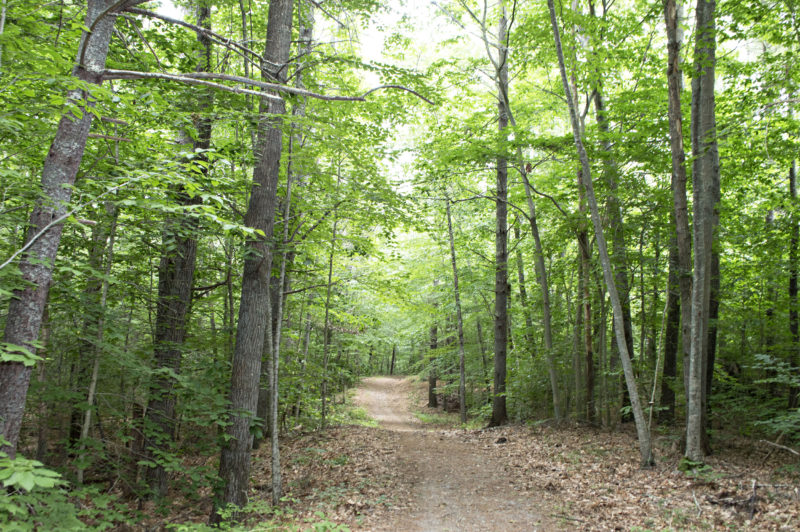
[{"x": 577, "y": 477}]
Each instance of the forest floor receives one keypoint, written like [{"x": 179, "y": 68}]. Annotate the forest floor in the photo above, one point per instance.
[
  {"x": 393, "y": 464},
  {"x": 410, "y": 475}
]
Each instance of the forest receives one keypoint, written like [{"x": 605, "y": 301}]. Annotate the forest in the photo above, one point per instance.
[{"x": 218, "y": 216}]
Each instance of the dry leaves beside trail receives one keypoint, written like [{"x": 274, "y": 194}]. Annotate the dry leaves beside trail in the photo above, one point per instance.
[
  {"x": 540, "y": 478},
  {"x": 409, "y": 476}
]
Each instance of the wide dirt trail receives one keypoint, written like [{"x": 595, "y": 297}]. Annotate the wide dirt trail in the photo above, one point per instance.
[{"x": 457, "y": 486}]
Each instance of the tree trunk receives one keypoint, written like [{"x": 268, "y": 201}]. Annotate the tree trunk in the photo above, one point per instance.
[
  {"x": 462, "y": 383},
  {"x": 672, "y": 15},
  {"x": 671, "y": 336},
  {"x": 254, "y": 308},
  {"x": 394, "y": 358},
  {"x": 499, "y": 413},
  {"x": 60, "y": 168},
  {"x": 619, "y": 257},
  {"x": 433, "y": 401},
  {"x": 107, "y": 255},
  {"x": 541, "y": 274},
  {"x": 619, "y": 327},
  {"x": 523, "y": 294},
  {"x": 326, "y": 328},
  {"x": 794, "y": 359},
  {"x": 705, "y": 173},
  {"x": 175, "y": 279}
]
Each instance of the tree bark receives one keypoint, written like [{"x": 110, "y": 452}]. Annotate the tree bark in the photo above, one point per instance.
[
  {"x": 672, "y": 16},
  {"x": 608, "y": 273},
  {"x": 499, "y": 413},
  {"x": 60, "y": 169},
  {"x": 326, "y": 328},
  {"x": 433, "y": 401},
  {"x": 705, "y": 177},
  {"x": 255, "y": 302}
]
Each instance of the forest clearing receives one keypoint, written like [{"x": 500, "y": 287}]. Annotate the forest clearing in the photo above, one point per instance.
[{"x": 573, "y": 224}]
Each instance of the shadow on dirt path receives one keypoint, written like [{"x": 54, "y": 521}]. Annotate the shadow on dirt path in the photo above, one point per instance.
[{"x": 457, "y": 486}]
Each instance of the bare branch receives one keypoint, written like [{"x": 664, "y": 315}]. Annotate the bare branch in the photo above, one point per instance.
[
  {"x": 318, "y": 5},
  {"x": 57, "y": 221},
  {"x": 108, "y": 137},
  {"x": 225, "y": 41},
  {"x": 399, "y": 87},
  {"x": 133, "y": 74}
]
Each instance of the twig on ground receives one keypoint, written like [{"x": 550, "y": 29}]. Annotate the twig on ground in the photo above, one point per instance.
[
  {"x": 699, "y": 510},
  {"x": 568, "y": 518},
  {"x": 779, "y": 446}
]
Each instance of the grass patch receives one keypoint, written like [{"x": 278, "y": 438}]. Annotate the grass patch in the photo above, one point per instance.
[{"x": 443, "y": 419}]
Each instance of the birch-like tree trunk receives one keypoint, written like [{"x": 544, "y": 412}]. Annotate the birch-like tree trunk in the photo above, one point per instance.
[
  {"x": 645, "y": 448},
  {"x": 705, "y": 178}
]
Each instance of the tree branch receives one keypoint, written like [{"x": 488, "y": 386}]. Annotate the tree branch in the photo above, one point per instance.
[
  {"x": 181, "y": 78},
  {"x": 57, "y": 221},
  {"x": 225, "y": 41},
  {"x": 399, "y": 87}
]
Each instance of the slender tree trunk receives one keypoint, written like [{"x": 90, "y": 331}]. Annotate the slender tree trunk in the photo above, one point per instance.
[
  {"x": 499, "y": 413},
  {"x": 541, "y": 274},
  {"x": 671, "y": 337},
  {"x": 672, "y": 15},
  {"x": 175, "y": 279},
  {"x": 462, "y": 383},
  {"x": 433, "y": 401},
  {"x": 60, "y": 168},
  {"x": 619, "y": 326},
  {"x": 254, "y": 308},
  {"x": 794, "y": 349},
  {"x": 705, "y": 176},
  {"x": 394, "y": 358},
  {"x": 523, "y": 294},
  {"x": 618, "y": 253},
  {"x": 97, "y": 349},
  {"x": 326, "y": 329}
]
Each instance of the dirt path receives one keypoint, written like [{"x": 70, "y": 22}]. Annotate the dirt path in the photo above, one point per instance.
[{"x": 456, "y": 486}]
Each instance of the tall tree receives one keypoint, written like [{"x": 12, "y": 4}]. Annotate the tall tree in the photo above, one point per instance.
[
  {"x": 45, "y": 226},
  {"x": 794, "y": 241},
  {"x": 680, "y": 244},
  {"x": 462, "y": 393},
  {"x": 255, "y": 302},
  {"x": 175, "y": 280},
  {"x": 705, "y": 178},
  {"x": 645, "y": 448},
  {"x": 501, "y": 286}
]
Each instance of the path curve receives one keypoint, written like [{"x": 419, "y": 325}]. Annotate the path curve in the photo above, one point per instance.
[{"x": 457, "y": 486}]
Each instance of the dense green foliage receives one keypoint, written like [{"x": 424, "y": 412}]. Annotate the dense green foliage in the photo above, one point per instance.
[{"x": 380, "y": 171}]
